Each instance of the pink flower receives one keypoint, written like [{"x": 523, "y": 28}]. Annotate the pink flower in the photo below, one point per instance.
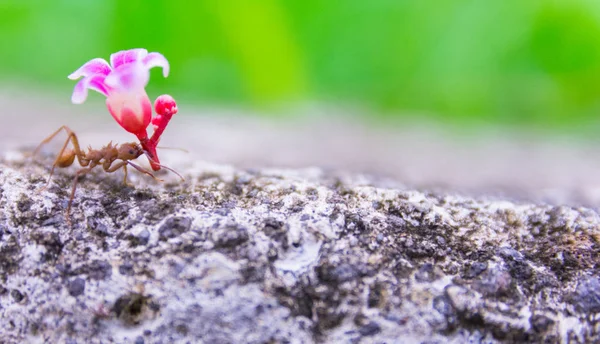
[{"x": 123, "y": 82}]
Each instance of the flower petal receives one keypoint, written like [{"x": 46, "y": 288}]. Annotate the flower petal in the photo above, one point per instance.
[
  {"x": 132, "y": 110},
  {"x": 157, "y": 60},
  {"x": 97, "y": 84},
  {"x": 95, "y": 66},
  {"x": 128, "y": 77},
  {"x": 80, "y": 92},
  {"x": 127, "y": 56},
  {"x": 94, "y": 82}
]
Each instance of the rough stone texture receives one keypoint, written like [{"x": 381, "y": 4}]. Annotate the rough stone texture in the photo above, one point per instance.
[{"x": 286, "y": 256}]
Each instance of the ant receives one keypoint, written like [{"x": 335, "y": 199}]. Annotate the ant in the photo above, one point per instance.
[{"x": 110, "y": 157}]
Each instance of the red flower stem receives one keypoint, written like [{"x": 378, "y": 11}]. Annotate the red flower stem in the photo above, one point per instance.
[
  {"x": 160, "y": 123},
  {"x": 165, "y": 107}
]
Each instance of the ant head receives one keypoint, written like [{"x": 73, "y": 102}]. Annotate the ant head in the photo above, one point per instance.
[{"x": 130, "y": 151}]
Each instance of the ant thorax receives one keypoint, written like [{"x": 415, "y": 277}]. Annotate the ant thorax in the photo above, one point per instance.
[{"x": 93, "y": 155}]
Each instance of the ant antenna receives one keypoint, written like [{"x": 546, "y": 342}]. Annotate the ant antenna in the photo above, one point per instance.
[
  {"x": 174, "y": 148},
  {"x": 165, "y": 167}
]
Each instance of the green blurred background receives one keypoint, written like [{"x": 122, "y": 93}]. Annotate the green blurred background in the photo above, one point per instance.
[{"x": 525, "y": 63}]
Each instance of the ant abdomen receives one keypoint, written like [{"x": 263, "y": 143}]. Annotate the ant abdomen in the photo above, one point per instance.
[{"x": 66, "y": 159}]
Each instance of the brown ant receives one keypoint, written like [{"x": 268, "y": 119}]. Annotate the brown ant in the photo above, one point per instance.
[{"x": 107, "y": 157}]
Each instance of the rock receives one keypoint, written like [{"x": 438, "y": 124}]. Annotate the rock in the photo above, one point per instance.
[
  {"x": 287, "y": 256},
  {"x": 475, "y": 269},
  {"x": 173, "y": 227},
  {"x": 16, "y": 295},
  {"x": 97, "y": 269},
  {"x": 370, "y": 329},
  {"x": 126, "y": 269},
  {"x": 142, "y": 238},
  {"x": 76, "y": 287},
  {"x": 587, "y": 295}
]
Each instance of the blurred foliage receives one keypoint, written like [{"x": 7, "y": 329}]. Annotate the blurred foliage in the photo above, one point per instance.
[{"x": 505, "y": 61}]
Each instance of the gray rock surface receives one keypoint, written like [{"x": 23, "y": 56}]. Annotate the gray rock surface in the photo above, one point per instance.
[{"x": 286, "y": 256}]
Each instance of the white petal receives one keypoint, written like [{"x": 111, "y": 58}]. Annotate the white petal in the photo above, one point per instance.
[
  {"x": 128, "y": 77},
  {"x": 157, "y": 60},
  {"x": 127, "y": 56},
  {"x": 95, "y": 66},
  {"x": 93, "y": 82}
]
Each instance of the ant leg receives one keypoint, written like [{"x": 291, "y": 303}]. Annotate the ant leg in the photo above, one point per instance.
[
  {"x": 172, "y": 170},
  {"x": 145, "y": 171},
  {"x": 110, "y": 169},
  {"x": 49, "y": 138},
  {"x": 75, "y": 181},
  {"x": 125, "y": 176},
  {"x": 165, "y": 167},
  {"x": 65, "y": 158},
  {"x": 71, "y": 137},
  {"x": 124, "y": 165}
]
